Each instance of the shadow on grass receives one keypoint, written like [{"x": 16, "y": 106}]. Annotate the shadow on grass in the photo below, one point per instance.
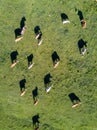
[
  {"x": 82, "y": 46},
  {"x": 22, "y": 23},
  {"x": 64, "y": 18},
  {"x": 74, "y": 99},
  {"x": 38, "y": 34},
  {"x": 22, "y": 85},
  {"x": 35, "y": 95},
  {"x": 55, "y": 58},
  {"x": 30, "y": 60},
  {"x": 35, "y": 121},
  {"x": 36, "y": 30},
  {"x": 47, "y": 80},
  {"x": 82, "y": 21},
  {"x": 13, "y": 56},
  {"x": 80, "y": 14},
  {"x": 19, "y": 31}
]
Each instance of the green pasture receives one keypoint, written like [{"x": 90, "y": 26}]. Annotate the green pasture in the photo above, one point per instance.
[{"x": 75, "y": 73}]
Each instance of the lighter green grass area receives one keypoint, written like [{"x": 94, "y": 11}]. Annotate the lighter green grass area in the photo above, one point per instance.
[{"x": 75, "y": 73}]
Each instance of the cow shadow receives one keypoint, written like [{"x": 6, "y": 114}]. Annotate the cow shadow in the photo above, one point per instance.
[
  {"x": 30, "y": 60},
  {"x": 80, "y": 14},
  {"x": 55, "y": 59},
  {"x": 35, "y": 121},
  {"x": 64, "y": 18},
  {"x": 36, "y": 30},
  {"x": 82, "y": 45},
  {"x": 35, "y": 95},
  {"x": 47, "y": 82},
  {"x": 47, "y": 79},
  {"x": 17, "y": 32},
  {"x": 13, "y": 56},
  {"x": 20, "y": 31},
  {"x": 74, "y": 99},
  {"x": 38, "y": 34},
  {"x": 22, "y": 23},
  {"x": 81, "y": 17},
  {"x": 22, "y": 85}
]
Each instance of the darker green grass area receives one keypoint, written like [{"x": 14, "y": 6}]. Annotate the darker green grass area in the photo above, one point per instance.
[{"x": 75, "y": 73}]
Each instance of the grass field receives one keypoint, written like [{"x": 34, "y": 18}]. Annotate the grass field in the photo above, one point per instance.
[{"x": 75, "y": 73}]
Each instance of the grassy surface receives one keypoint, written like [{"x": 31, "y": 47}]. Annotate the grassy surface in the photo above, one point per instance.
[{"x": 75, "y": 73}]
